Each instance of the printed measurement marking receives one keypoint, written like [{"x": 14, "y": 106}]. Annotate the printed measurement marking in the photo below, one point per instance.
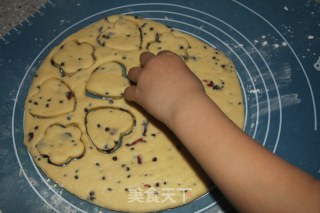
[
  {"x": 50, "y": 3},
  {"x": 18, "y": 32},
  {"x": 40, "y": 12},
  {"x": 317, "y": 64},
  {"x": 296, "y": 56},
  {"x": 6, "y": 42},
  {"x": 27, "y": 20}
]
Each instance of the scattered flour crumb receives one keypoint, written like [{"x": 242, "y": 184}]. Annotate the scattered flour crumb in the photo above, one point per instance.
[
  {"x": 310, "y": 37},
  {"x": 275, "y": 45},
  {"x": 316, "y": 65},
  {"x": 33, "y": 182},
  {"x": 265, "y": 43},
  {"x": 62, "y": 21},
  {"x": 286, "y": 8},
  {"x": 255, "y": 91},
  {"x": 284, "y": 44},
  {"x": 263, "y": 36},
  {"x": 20, "y": 173},
  {"x": 256, "y": 41}
]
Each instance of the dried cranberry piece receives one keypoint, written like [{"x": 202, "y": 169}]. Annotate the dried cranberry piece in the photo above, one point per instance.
[
  {"x": 69, "y": 95},
  {"x": 135, "y": 142},
  {"x": 139, "y": 158},
  {"x": 30, "y": 136}
]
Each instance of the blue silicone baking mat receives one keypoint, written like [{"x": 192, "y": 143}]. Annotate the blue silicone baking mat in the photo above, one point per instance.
[{"x": 274, "y": 44}]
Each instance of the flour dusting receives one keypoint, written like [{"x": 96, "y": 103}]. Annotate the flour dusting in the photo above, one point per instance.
[
  {"x": 310, "y": 37},
  {"x": 316, "y": 65},
  {"x": 276, "y": 46},
  {"x": 254, "y": 91},
  {"x": 287, "y": 100},
  {"x": 55, "y": 201}
]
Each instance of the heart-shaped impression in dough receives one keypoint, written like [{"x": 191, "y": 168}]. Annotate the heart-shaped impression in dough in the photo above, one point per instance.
[
  {"x": 73, "y": 56},
  {"x": 53, "y": 99},
  {"x": 61, "y": 144},
  {"x": 106, "y": 126},
  {"x": 124, "y": 35},
  {"x": 108, "y": 81},
  {"x": 168, "y": 41}
]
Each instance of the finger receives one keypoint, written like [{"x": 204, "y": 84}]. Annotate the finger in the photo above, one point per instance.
[
  {"x": 145, "y": 57},
  {"x": 169, "y": 54},
  {"x": 164, "y": 52},
  {"x": 129, "y": 93},
  {"x": 134, "y": 74}
]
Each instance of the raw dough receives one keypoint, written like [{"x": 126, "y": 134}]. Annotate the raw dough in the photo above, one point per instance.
[{"x": 75, "y": 110}]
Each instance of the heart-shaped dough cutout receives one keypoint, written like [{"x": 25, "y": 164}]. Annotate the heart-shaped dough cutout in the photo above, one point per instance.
[
  {"x": 74, "y": 56},
  {"x": 54, "y": 98},
  {"x": 108, "y": 81},
  {"x": 124, "y": 35},
  {"x": 61, "y": 144},
  {"x": 168, "y": 41},
  {"x": 107, "y": 126},
  {"x": 150, "y": 32}
]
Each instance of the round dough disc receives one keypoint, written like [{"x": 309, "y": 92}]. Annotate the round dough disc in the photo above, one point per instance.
[{"x": 75, "y": 113}]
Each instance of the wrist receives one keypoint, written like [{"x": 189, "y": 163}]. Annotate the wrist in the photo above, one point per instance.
[{"x": 186, "y": 106}]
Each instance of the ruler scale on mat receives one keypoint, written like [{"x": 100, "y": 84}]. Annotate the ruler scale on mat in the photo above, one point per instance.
[{"x": 274, "y": 45}]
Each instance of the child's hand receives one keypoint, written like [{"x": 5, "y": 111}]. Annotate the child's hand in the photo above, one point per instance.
[
  {"x": 168, "y": 90},
  {"x": 164, "y": 84}
]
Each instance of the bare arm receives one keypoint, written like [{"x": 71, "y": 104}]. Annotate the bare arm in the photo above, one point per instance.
[{"x": 252, "y": 178}]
